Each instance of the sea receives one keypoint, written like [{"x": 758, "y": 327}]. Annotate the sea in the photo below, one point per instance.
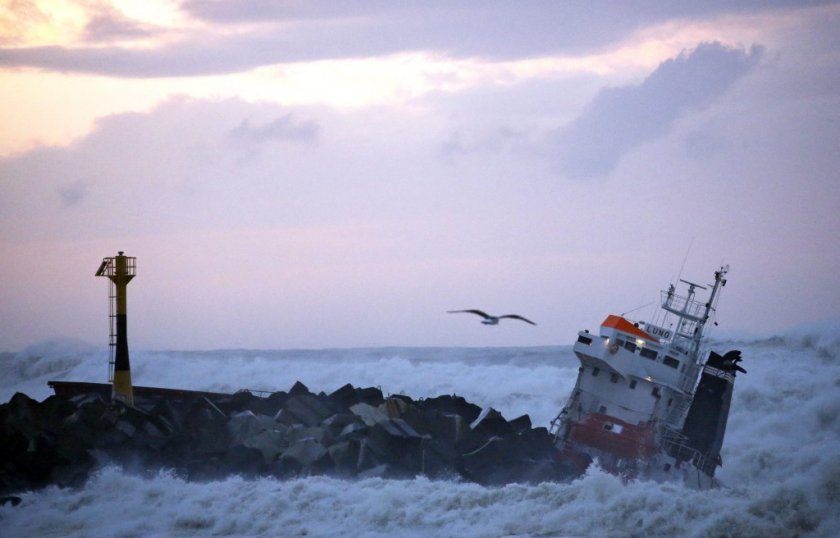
[{"x": 780, "y": 475}]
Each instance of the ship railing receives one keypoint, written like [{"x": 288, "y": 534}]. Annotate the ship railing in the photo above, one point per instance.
[
  {"x": 675, "y": 447},
  {"x": 683, "y": 306},
  {"x": 678, "y": 412},
  {"x": 689, "y": 379},
  {"x": 257, "y": 393}
]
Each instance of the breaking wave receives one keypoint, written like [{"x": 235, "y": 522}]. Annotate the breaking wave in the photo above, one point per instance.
[{"x": 781, "y": 454}]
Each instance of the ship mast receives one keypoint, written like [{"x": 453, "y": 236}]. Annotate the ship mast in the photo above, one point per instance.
[{"x": 693, "y": 314}]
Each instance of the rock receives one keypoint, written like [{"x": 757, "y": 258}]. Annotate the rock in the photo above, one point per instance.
[
  {"x": 403, "y": 407},
  {"x": 73, "y": 473},
  {"x": 173, "y": 415},
  {"x": 274, "y": 402},
  {"x": 521, "y": 424},
  {"x": 379, "y": 471},
  {"x": 246, "y": 424},
  {"x": 206, "y": 468},
  {"x": 452, "y": 405},
  {"x": 23, "y": 414},
  {"x": 490, "y": 464},
  {"x": 537, "y": 443},
  {"x": 395, "y": 442},
  {"x": 205, "y": 429},
  {"x": 354, "y": 430},
  {"x": 395, "y": 407},
  {"x": 490, "y": 422},
  {"x": 351, "y": 432},
  {"x": 345, "y": 396},
  {"x": 298, "y": 433},
  {"x": 438, "y": 459},
  {"x": 369, "y": 414},
  {"x": 243, "y": 459},
  {"x": 270, "y": 443},
  {"x": 242, "y": 400},
  {"x": 241, "y": 423},
  {"x": 303, "y": 409},
  {"x": 397, "y": 427},
  {"x": 371, "y": 396},
  {"x": 447, "y": 428},
  {"x": 299, "y": 389},
  {"x": 336, "y": 423},
  {"x": 282, "y": 469},
  {"x": 305, "y": 452},
  {"x": 367, "y": 457},
  {"x": 345, "y": 455},
  {"x": 125, "y": 427}
]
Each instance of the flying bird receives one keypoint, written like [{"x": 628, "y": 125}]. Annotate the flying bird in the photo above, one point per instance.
[{"x": 488, "y": 319}]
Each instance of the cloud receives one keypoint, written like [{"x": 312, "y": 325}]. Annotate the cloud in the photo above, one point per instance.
[
  {"x": 364, "y": 218},
  {"x": 17, "y": 18},
  {"x": 108, "y": 24},
  {"x": 227, "y": 41},
  {"x": 72, "y": 194},
  {"x": 621, "y": 119},
  {"x": 200, "y": 54},
  {"x": 501, "y": 140},
  {"x": 282, "y": 128},
  {"x": 147, "y": 172}
]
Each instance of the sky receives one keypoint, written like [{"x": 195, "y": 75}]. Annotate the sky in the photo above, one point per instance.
[{"x": 313, "y": 174}]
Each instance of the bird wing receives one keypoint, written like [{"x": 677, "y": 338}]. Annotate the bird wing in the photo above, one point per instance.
[
  {"x": 515, "y": 316},
  {"x": 479, "y": 312}
]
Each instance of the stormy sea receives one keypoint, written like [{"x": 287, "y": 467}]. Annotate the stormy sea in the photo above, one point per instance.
[{"x": 780, "y": 475}]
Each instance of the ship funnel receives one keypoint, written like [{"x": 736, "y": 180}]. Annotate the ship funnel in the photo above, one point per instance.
[
  {"x": 119, "y": 269},
  {"x": 705, "y": 423}
]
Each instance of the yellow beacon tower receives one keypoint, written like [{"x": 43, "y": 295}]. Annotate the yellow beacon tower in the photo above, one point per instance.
[{"x": 120, "y": 270}]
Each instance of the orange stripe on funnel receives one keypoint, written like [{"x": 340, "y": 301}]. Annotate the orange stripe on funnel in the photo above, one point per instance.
[{"x": 621, "y": 324}]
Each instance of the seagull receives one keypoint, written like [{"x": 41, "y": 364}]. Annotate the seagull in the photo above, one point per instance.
[{"x": 488, "y": 319}]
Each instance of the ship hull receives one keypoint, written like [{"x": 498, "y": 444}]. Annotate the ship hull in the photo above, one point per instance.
[{"x": 626, "y": 450}]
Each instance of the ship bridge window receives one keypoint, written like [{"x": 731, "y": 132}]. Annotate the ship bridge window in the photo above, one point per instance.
[
  {"x": 584, "y": 340},
  {"x": 632, "y": 383},
  {"x": 595, "y": 371},
  {"x": 672, "y": 362},
  {"x": 614, "y": 378},
  {"x": 648, "y": 353},
  {"x": 630, "y": 346}
]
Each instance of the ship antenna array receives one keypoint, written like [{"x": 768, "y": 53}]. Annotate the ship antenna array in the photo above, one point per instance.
[
  {"x": 685, "y": 258},
  {"x": 693, "y": 314},
  {"x": 693, "y": 285},
  {"x": 637, "y": 308}
]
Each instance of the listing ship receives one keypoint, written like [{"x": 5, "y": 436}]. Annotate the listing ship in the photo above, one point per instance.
[{"x": 650, "y": 401}]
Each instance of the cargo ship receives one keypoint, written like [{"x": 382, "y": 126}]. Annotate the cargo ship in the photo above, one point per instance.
[{"x": 650, "y": 400}]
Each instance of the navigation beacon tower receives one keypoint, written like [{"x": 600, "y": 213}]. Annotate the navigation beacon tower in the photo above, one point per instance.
[{"x": 120, "y": 270}]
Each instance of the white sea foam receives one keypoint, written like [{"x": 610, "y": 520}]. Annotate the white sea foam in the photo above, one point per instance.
[{"x": 781, "y": 454}]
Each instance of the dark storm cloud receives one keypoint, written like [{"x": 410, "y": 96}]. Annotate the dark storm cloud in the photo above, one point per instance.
[
  {"x": 621, "y": 119},
  {"x": 303, "y": 31}
]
